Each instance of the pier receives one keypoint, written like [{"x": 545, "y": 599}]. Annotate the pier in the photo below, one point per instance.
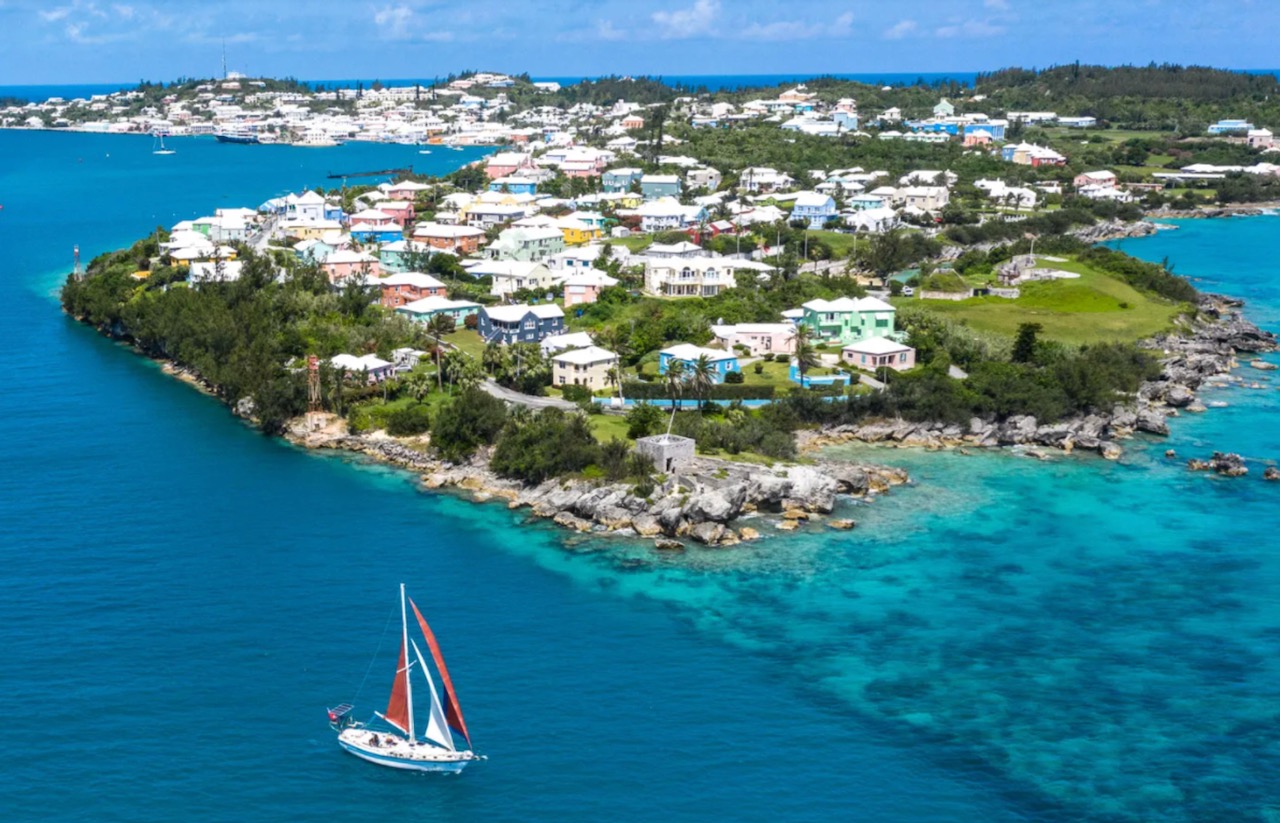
[{"x": 405, "y": 172}]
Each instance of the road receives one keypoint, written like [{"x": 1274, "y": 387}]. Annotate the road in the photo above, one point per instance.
[{"x": 529, "y": 400}]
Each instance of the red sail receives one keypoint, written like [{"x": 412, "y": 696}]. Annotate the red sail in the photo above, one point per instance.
[
  {"x": 398, "y": 707},
  {"x": 452, "y": 711}
]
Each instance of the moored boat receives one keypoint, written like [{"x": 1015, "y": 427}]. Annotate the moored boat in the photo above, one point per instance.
[{"x": 390, "y": 739}]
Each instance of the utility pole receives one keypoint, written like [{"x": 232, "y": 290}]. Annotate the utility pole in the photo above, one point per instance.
[{"x": 224, "y": 58}]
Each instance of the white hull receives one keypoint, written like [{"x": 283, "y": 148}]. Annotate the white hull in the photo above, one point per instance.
[{"x": 397, "y": 753}]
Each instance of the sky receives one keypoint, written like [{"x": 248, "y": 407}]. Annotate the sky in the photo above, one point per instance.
[{"x": 91, "y": 41}]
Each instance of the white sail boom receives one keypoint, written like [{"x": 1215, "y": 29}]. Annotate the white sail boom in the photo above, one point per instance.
[{"x": 437, "y": 729}]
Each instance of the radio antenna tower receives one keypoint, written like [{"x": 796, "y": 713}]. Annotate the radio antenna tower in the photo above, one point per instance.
[
  {"x": 224, "y": 58},
  {"x": 77, "y": 272},
  {"x": 314, "y": 409}
]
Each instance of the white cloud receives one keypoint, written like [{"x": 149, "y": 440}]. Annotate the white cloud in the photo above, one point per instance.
[
  {"x": 606, "y": 30},
  {"x": 54, "y": 15},
  {"x": 124, "y": 12},
  {"x": 394, "y": 21},
  {"x": 970, "y": 28},
  {"x": 694, "y": 21},
  {"x": 798, "y": 30},
  {"x": 901, "y": 29}
]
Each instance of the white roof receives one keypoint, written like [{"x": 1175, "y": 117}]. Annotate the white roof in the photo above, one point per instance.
[
  {"x": 443, "y": 230},
  {"x": 876, "y": 345},
  {"x": 591, "y": 278},
  {"x": 753, "y": 328},
  {"x": 690, "y": 352},
  {"x": 586, "y": 356},
  {"x": 511, "y": 314},
  {"x": 370, "y": 214},
  {"x": 569, "y": 340},
  {"x": 812, "y": 199},
  {"x": 353, "y": 363},
  {"x": 347, "y": 256},
  {"x": 411, "y": 278},
  {"x": 309, "y": 198},
  {"x": 845, "y": 304},
  {"x": 432, "y": 304},
  {"x": 505, "y": 268},
  {"x": 408, "y": 185}
]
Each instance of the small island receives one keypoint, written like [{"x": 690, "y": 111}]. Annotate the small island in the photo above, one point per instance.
[{"x": 627, "y": 340}]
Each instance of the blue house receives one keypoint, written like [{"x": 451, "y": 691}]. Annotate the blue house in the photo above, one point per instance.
[
  {"x": 815, "y": 209},
  {"x": 722, "y": 362},
  {"x": 653, "y": 186},
  {"x": 366, "y": 232},
  {"x": 864, "y": 201},
  {"x": 846, "y": 120},
  {"x": 514, "y": 185},
  {"x": 1231, "y": 127},
  {"x": 809, "y": 381},
  {"x": 520, "y": 324},
  {"x": 619, "y": 180},
  {"x": 393, "y": 258}
]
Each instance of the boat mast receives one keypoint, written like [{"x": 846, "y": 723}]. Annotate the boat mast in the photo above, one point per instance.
[{"x": 408, "y": 665}]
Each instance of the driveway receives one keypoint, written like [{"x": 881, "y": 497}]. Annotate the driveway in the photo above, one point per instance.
[{"x": 529, "y": 400}]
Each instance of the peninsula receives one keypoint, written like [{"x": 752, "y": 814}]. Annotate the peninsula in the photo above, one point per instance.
[{"x": 624, "y": 317}]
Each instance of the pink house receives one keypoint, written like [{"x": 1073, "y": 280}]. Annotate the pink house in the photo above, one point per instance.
[
  {"x": 507, "y": 163},
  {"x": 1097, "y": 179},
  {"x": 586, "y": 287},
  {"x": 373, "y": 217},
  {"x": 879, "y": 352},
  {"x": 406, "y": 190},
  {"x": 759, "y": 338},
  {"x": 340, "y": 265},
  {"x": 580, "y": 168},
  {"x": 409, "y": 286},
  {"x": 401, "y": 211}
]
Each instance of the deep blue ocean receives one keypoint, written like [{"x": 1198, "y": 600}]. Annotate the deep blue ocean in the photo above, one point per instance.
[{"x": 1006, "y": 640}]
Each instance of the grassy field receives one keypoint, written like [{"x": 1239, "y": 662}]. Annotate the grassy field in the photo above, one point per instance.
[
  {"x": 606, "y": 426},
  {"x": 467, "y": 340},
  {"x": 1094, "y": 308},
  {"x": 841, "y": 244},
  {"x": 635, "y": 243}
]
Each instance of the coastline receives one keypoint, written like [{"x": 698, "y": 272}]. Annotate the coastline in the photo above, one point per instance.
[{"x": 1204, "y": 353}]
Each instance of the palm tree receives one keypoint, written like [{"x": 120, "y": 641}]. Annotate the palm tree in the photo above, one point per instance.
[
  {"x": 806, "y": 354},
  {"x": 418, "y": 384},
  {"x": 675, "y": 386},
  {"x": 613, "y": 377},
  {"x": 442, "y": 324},
  {"x": 701, "y": 377}
]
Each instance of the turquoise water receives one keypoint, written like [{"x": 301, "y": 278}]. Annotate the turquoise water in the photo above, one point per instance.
[{"x": 1006, "y": 640}]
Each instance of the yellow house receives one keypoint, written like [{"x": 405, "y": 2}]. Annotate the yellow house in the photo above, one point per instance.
[
  {"x": 576, "y": 232},
  {"x": 310, "y": 229},
  {"x": 583, "y": 367}
]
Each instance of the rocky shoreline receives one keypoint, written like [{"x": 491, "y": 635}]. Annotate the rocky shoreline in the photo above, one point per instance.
[
  {"x": 1203, "y": 354},
  {"x": 703, "y": 503}
]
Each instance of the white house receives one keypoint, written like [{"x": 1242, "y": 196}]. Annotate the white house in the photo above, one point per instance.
[
  {"x": 588, "y": 367},
  {"x": 510, "y": 276}
]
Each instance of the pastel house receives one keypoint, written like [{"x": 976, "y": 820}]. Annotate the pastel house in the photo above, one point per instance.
[
  {"x": 653, "y": 186},
  {"x": 422, "y": 311},
  {"x": 757, "y": 338},
  {"x": 849, "y": 320},
  {"x": 374, "y": 368},
  {"x": 458, "y": 240},
  {"x": 527, "y": 244},
  {"x": 344, "y": 263},
  {"x": 520, "y": 324},
  {"x": 402, "y": 255},
  {"x": 879, "y": 352},
  {"x": 584, "y": 287},
  {"x": 370, "y": 233},
  {"x": 510, "y": 276},
  {"x": 588, "y": 367},
  {"x": 514, "y": 185},
  {"x": 813, "y": 208},
  {"x": 687, "y": 354},
  {"x": 620, "y": 180},
  {"x": 406, "y": 287}
]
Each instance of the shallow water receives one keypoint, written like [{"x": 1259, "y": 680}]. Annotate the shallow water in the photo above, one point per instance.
[{"x": 1005, "y": 640}]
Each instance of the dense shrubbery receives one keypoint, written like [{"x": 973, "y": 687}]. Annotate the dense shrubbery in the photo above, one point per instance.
[
  {"x": 239, "y": 336},
  {"x": 549, "y": 443},
  {"x": 1144, "y": 276},
  {"x": 720, "y": 391},
  {"x": 468, "y": 421}
]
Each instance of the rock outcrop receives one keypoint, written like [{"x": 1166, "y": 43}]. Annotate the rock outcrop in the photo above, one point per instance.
[
  {"x": 1203, "y": 353},
  {"x": 700, "y": 504}
]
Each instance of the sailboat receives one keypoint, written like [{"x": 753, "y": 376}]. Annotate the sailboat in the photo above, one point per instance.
[
  {"x": 400, "y": 748},
  {"x": 162, "y": 150}
]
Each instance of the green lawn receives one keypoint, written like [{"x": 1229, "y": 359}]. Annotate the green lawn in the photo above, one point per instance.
[
  {"x": 635, "y": 243},
  {"x": 467, "y": 340},
  {"x": 1077, "y": 312},
  {"x": 841, "y": 244},
  {"x": 607, "y": 426}
]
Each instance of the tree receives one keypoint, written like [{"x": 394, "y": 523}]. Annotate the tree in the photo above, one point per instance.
[
  {"x": 465, "y": 423},
  {"x": 441, "y": 324},
  {"x": 461, "y": 369},
  {"x": 806, "y": 355},
  {"x": 417, "y": 384},
  {"x": 643, "y": 420},
  {"x": 1024, "y": 345},
  {"x": 674, "y": 379},
  {"x": 701, "y": 377}
]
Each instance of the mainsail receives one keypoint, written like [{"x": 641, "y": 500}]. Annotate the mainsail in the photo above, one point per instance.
[
  {"x": 452, "y": 711},
  {"x": 398, "y": 707}
]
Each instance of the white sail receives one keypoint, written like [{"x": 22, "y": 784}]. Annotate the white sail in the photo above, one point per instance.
[{"x": 437, "y": 729}]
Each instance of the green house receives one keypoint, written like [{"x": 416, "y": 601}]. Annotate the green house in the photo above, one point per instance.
[{"x": 849, "y": 320}]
